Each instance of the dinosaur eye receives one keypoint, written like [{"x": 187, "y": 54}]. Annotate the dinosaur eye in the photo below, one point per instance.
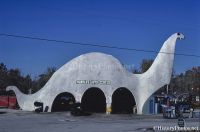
[{"x": 178, "y": 34}]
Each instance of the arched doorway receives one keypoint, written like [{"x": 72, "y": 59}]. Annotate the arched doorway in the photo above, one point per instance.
[
  {"x": 63, "y": 102},
  {"x": 123, "y": 101},
  {"x": 94, "y": 100}
]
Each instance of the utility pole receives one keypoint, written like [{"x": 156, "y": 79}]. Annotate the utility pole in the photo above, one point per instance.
[
  {"x": 167, "y": 89},
  {"x": 30, "y": 89}
]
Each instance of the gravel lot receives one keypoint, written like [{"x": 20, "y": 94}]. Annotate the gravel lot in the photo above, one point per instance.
[{"x": 21, "y": 121}]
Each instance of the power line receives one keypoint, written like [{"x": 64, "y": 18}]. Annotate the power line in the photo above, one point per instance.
[{"x": 94, "y": 45}]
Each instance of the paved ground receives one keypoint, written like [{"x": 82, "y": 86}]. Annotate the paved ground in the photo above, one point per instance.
[{"x": 20, "y": 121}]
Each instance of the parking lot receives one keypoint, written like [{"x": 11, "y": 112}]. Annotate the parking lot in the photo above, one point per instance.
[{"x": 21, "y": 121}]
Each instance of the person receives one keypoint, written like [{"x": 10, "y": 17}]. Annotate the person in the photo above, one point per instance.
[
  {"x": 181, "y": 111},
  {"x": 177, "y": 110},
  {"x": 134, "y": 109},
  {"x": 191, "y": 112}
]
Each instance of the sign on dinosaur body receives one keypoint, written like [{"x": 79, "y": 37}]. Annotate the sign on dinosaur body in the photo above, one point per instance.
[{"x": 94, "y": 82}]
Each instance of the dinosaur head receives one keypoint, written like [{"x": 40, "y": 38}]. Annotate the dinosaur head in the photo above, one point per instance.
[{"x": 180, "y": 36}]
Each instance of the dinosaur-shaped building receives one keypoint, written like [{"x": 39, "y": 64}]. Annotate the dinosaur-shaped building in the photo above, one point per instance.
[{"x": 100, "y": 83}]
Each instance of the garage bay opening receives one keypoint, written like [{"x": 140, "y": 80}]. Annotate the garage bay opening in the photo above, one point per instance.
[
  {"x": 123, "y": 101},
  {"x": 63, "y": 102},
  {"x": 94, "y": 101}
]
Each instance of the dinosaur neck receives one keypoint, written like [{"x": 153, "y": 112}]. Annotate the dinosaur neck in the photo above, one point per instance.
[
  {"x": 161, "y": 68},
  {"x": 159, "y": 74}
]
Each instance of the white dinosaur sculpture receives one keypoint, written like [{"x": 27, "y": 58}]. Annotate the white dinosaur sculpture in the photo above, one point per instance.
[{"x": 142, "y": 86}]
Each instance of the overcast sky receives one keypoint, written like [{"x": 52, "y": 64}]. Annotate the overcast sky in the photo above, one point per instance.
[{"x": 139, "y": 24}]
